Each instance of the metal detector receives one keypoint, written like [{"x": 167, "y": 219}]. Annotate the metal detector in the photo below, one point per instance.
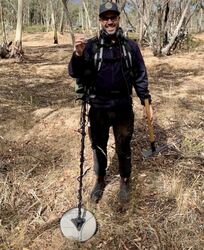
[{"x": 78, "y": 223}]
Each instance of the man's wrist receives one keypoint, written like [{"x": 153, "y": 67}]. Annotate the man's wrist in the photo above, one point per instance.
[
  {"x": 78, "y": 54},
  {"x": 143, "y": 103}
]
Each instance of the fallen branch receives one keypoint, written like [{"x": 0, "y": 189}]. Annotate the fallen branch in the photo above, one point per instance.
[{"x": 194, "y": 169}]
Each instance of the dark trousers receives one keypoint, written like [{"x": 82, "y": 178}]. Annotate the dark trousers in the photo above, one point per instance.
[{"x": 122, "y": 121}]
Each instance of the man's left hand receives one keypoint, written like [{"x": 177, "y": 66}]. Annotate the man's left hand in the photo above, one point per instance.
[{"x": 150, "y": 113}]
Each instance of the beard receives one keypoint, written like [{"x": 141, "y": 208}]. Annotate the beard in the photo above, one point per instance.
[{"x": 111, "y": 31}]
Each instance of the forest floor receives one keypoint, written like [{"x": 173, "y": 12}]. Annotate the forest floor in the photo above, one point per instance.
[{"x": 39, "y": 150}]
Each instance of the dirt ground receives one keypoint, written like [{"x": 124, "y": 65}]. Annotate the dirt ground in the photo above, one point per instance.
[{"x": 40, "y": 145}]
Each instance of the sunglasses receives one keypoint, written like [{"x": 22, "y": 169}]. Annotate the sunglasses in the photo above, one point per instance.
[{"x": 112, "y": 18}]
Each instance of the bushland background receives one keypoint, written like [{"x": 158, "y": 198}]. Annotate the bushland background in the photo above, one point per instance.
[{"x": 40, "y": 143}]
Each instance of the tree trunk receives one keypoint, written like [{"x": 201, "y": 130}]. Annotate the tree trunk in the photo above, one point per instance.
[
  {"x": 69, "y": 20},
  {"x": 17, "y": 50},
  {"x": 62, "y": 21},
  {"x": 3, "y": 23},
  {"x": 12, "y": 6},
  {"x": 81, "y": 18},
  {"x": 47, "y": 18},
  {"x": 141, "y": 25},
  {"x": 166, "y": 50},
  {"x": 54, "y": 25},
  {"x": 200, "y": 19},
  {"x": 87, "y": 18},
  {"x": 148, "y": 26},
  {"x": 28, "y": 14},
  {"x": 159, "y": 31},
  {"x": 165, "y": 32}
]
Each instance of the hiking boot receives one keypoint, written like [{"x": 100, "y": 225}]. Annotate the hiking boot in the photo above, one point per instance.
[
  {"x": 124, "y": 192},
  {"x": 97, "y": 191}
]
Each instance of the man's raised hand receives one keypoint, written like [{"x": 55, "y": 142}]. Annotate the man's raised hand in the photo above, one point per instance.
[{"x": 79, "y": 44}]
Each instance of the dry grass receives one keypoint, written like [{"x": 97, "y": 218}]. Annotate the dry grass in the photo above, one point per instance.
[{"x": 39, "y": 149}]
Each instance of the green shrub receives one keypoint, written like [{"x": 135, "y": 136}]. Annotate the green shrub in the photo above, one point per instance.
[{"x": 34, "y": 28}]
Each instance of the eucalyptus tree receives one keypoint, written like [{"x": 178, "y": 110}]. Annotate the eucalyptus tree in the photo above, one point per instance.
[
  {"x": 2, "y": 18},
  {"x": 199, "y": 20},
  {"x": 163, "y": 23},
  {"x": 69, "y": 19},
  {"x": 54, "y": 5},
  {"x": 188, "y": 9},
  {"x": 177, "y": 31},
  {"x": 17, "y": 45},
  {"x": 62, "y": 20},
  {"x": 160, "y": 23},
  {"x": 88, "y": 25}
]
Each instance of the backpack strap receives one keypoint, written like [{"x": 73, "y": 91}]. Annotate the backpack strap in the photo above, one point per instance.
[
  {"x": 98, "y": 55},
  {"x": 98, "y": 47},
  {"x": 127, "y": 52}
]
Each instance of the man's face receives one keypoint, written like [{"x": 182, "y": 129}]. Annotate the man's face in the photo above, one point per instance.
[{"x": 110, "y": 22}]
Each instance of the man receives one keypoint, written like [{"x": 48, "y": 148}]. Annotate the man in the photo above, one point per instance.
[{"x": 112, "y": 78}]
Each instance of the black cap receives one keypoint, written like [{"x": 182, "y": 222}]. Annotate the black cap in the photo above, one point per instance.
[{"x": 108, "y": 6}]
